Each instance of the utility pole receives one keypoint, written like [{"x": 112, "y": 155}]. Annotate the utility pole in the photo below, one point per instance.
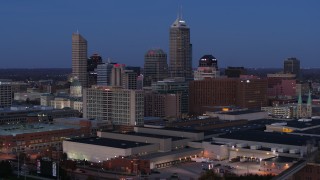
[{"x": 18, "y": 162}]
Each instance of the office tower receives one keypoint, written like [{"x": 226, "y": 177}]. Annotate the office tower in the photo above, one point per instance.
[
  {"x": 292, "y": 66},
  {"x": 116, "y": 74},
  {"x": 128, "y": 107},
  {"x": 129, "y": 79},
  {"x": 104, "y": 74},
  {"x": 140, "y": 82},
  {"x": 208, "y": 68},
  {"x": 162, "y": 105},
  {"x": 92, "y": 64},
  {"x": 114, "y": 104},
  {"x": 79, "y": 59},
  {"x": 135, "y": 69},
  {"x": 97, "y": 103},
  {"x": 180, "y": 50},
  {"x": 174, "y": 86},
  {"x": 155, "y": 66},
  {"x": 232, "y": 72},
  {"x": 5, "y": 93}
]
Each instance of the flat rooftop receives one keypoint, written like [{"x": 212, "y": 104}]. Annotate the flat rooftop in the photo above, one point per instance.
[
  {"x": 269, "y": 137},
  {"x": 7, "y": 130},
  {"x": 281, "y": 159},
  {"x": 176, "y": 129},
  {"x": 241, "y": 112},
  {"x": 174, "y": 138},
  {"x": 115, "y": 143},
  {"x": 301, "y": 124}
]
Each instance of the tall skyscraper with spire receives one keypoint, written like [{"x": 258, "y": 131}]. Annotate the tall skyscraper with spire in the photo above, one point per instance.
[
  {"x": 180, "y": 49},
  {"x": 79, "y": 59}
]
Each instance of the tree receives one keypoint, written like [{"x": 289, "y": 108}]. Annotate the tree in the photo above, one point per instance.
[
  {"x": 210, "y": 175},
  {"x": 5, "y": 169}
]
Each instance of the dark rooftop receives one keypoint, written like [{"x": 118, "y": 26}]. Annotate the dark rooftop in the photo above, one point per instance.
[
  {"x": 240, "y": 112},
  {"x": 269, "y": 137},
  {"x": 174, "y": 138},
  {"x": 300, "y": 124},
  {"x": 110, "y": 142},
  {"x": 281, "y": 159}
]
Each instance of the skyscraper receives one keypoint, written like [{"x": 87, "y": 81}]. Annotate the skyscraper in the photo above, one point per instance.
[
  {"x": 79, "y": 59},
  {"x": 292, "y": 66},
  {"x": 104, "y": 74},
  {"x": 180, "y": 49},
  {"x": 5, "y": 93},
  {"x": 155, "y": 66},
  {"x": 92, "y": 64},
  {"x": 208, "y": 68}
]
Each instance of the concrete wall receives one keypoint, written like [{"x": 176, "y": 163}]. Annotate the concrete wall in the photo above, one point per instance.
[
  {"x": 214, "y": 151},
  {"x": 92, "y": 153},
  {"x": 180, "y": 143}
]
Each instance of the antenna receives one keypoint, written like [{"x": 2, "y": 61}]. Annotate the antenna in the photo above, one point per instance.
[{"x": 181, "y": 12}]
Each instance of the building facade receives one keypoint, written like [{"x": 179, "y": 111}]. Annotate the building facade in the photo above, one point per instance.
[
  {"x": 174, "y": 86},
  {"x": 5, "y": 93},
  {"x": 208, "y": 68},
  {"x": 104, "y": 74},
  {"x": 92, "y": 64},
  {"x": 162, "y": 105},
  {"x": 292, "y": 66},
  {"x": 114, "y": 104},
  {"x": 180, "y": 50},
  {"x": 155, "y": 66},
  {"x": 79, "y": 59},
  {"x": 244, "y": 93}
]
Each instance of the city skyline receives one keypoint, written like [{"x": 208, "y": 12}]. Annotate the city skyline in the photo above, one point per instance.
[{"x": 250, "y": 34}]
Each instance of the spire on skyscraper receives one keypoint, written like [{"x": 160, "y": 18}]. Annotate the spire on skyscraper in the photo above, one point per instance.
[{"x": 179, "y": 22}]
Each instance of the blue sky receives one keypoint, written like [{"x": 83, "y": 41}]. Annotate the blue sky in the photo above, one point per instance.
[{"x": 250, "y": 33}]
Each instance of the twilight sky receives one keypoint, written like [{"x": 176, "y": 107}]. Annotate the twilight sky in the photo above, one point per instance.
[{"x": 250, "y": 33}]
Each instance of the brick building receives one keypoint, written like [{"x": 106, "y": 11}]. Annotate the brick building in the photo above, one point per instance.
[
  {"x": 38, "y": 136},
  {"x": 241, "y": 92}
]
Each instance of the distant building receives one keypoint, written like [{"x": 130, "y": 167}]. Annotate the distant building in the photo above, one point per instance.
[
  {"x": 116, "y": 74},
  {"x": 155, "y": 66},
  {"x": 92, "y": 64},
  {"x": 292, "y": 66},
  {"x": 232, "y": 72},
  {"x": 5, "y": 93},
  {"x": 208, "y": 68},
  {"x": 180, "y": 50},
  {"x": 104, "y": 74},
  {"x": 162, "y": 105},
  {"x": 129, "y": 79},
  {"x": 174, "y": 86},
  {"x": 79, "y": 59}
]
